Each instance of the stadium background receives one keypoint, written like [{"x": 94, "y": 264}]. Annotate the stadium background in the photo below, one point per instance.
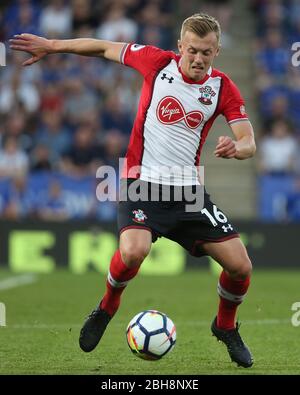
[{"x": 63, "y": 117}]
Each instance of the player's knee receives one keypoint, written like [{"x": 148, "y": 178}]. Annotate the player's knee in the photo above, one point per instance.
[
  {"x": 133, "y": 255},
  {"x": 245, "y": 269}
]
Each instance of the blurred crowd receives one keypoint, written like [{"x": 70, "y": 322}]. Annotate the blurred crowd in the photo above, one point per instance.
[
  {"x": 63, "y": 117},
  {"x": 278, "y": 90}
]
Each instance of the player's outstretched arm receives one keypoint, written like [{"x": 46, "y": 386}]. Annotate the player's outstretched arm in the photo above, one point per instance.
[
  {"x": 242, "y": 148},
  {"x": 39, "y": 47}
]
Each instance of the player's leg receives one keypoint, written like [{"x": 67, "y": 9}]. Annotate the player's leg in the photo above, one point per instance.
[
  {"x": 232, "y": 288},
  {"x": 234, "y": 279},
  {"x": 135, "y": 245},
  {"x": 208, "y": 232}
]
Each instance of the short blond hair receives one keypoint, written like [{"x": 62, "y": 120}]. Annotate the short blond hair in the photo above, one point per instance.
[{"x": 201, "y": 24}]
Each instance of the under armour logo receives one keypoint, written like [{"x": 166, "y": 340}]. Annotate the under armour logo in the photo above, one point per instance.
[
  {"x": 170, "y": 79},
  {"x": 227, "y": 228}
]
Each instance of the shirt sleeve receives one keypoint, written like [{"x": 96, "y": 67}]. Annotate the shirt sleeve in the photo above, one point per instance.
[
  {"x": 233, "y": 105},
  {"x": 145, "y": 58}
]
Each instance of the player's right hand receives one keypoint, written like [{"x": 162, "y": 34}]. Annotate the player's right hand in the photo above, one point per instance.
[{"x": 37, "y": 46}]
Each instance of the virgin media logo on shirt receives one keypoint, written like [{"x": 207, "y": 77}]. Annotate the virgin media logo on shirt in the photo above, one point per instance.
[{"x": 170, "y": 111}]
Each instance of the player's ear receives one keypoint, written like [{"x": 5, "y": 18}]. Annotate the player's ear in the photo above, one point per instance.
[
  {"x": 218, "y": 50},
  {"x": 179, "y": 44}
]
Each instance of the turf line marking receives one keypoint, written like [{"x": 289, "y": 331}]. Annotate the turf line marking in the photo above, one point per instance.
[
  {"x": 17, "y": 281},
  {"x": 189, "y": 323}
]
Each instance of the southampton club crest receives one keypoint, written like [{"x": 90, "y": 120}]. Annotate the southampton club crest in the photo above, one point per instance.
[
  {"x": 206, "y": 94},
  {"x": 139, "y": 216}
]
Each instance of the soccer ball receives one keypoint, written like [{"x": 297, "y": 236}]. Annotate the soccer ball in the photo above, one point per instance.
[{"x": 151, "y": 334}]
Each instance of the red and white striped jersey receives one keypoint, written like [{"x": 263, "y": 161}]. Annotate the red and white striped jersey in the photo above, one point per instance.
[{"x": 174, "y": 115}]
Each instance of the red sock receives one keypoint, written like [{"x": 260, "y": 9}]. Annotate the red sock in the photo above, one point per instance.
[
  {"x": 231, "y": 294},
  {"x": 118, "y": 276}
]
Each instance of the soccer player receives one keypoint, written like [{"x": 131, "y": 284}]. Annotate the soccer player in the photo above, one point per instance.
[{"x": 182, "y": 94}]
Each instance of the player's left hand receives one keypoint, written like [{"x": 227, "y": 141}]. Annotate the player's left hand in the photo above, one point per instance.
[
  {"x": 226, "y": 148},
  {"x": 37, "y": 46}
]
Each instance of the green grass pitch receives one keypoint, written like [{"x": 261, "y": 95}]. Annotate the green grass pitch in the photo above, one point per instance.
[{"x": 44, "y": 318}]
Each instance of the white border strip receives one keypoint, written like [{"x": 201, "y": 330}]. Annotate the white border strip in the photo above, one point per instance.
[
  {"x": 123, "y": 52},
  {"x": 115, "y": 283},
  {"x": 229, "y": 296},
  {"x": 238, "y": 120}
]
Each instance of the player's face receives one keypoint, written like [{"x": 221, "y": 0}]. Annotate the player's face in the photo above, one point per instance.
[{"x": 197, "y": 54}]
